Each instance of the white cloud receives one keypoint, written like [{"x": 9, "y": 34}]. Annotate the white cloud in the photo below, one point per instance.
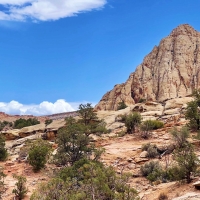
[
  {"x": 45, "y": 10},
  {"x": 44, "y": 108}
]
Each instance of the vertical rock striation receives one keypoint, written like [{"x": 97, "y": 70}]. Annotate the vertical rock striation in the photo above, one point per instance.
[{"x": 171, "y": 70}]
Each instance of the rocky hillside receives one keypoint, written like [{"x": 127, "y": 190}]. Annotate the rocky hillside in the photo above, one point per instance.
[
  {"x": 171, "y": 70},
  {"x": 12, "y": 118}
]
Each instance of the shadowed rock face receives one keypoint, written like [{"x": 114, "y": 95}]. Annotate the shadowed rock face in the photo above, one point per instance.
[{"x": 171, "y": 70}]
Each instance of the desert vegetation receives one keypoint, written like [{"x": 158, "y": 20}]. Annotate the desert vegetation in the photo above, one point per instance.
[
  {"x": 20, "y": 123},
  {"x": 76, "y": 158}
]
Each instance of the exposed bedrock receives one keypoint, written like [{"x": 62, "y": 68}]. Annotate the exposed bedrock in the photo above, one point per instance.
[{"x": 169, "y": 71}]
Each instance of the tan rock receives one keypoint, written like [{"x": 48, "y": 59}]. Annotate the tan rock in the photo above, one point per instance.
[
  {"x": 169, "y": 71},
  {"x": 197, "y": 185},
  {"x": 172, "y": 111},
  {"x": 177, "y": 102},
  {"x": 189, "y": 196},
  {"x": 141, "y": 160},
  {"x": 143, "y": 154}
]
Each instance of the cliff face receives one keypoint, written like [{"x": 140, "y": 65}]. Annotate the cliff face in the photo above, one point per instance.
[{"x": 171, "y": 70}]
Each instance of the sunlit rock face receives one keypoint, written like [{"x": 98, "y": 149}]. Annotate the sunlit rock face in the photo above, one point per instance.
[{"x": 169, "y": 71}]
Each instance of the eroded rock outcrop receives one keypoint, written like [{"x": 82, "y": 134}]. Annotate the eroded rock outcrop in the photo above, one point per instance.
[{"x": 171, "y": 70}]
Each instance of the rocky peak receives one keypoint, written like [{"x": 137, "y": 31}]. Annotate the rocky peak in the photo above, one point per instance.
[
  {"x": 169, "y": 71},
  {"x": 184, "y": 29}
]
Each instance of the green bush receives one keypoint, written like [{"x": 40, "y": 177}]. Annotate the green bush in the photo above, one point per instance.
[
  {"x": 149, "y": 168},
  {"x": 152, "y": 124},
  {"x": 2, "y": 185},
  {"x": 20, "y": 190},
  {"x": 122, "y": 118},
  {"x": 121, "y": 105},
  {"x": 151, "y": 150},
  {"x": 20, "y": 123},
  {"x": 192, "y": 113},
  {"x": 89, "y": 119},
  {"x": 3, "y": 150},
  {"x": 38, "y": 153},
  {"x": 87, "y": 179},
  {"x": 154, "y": 172},
  {"x": 98, "y": 128},
  {"x": 5, "y": 124},
  {"x": 173, "y": 173},
  {"x": 149, "y": 125},
  {"x": 132, "y": 121},
  {"x": 87, "y": 114},
  {"x": 73, "y": 143},
  {"x": 187, "y": 160},
  {"x": 48, "y": 121},
  {"x": 180, "y": 136}
]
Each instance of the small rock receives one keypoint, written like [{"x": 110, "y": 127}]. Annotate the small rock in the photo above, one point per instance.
[
  {"x": 197, "y": 185},
  {"x": 139, "y": 160},
  {"x": 9, "y": 164},
  {"x": 130, "y": 160},
  {"x": 144, "y": 154}
]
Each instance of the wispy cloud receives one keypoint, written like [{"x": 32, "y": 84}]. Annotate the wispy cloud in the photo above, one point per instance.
[
  {"x": 44, "y": 108},
  {"x": 44, "y": 10}
]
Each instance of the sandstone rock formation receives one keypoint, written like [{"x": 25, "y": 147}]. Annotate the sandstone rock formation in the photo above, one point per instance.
[{"x": 171, "y": 70}]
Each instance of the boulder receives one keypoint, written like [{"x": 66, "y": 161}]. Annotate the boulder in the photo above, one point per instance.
[
  {"x": 143, "y": 154},
  {"x": 197, "y": 185}
]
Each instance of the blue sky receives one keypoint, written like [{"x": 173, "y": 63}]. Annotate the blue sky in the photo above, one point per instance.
[{"x": 57, "y": 54}]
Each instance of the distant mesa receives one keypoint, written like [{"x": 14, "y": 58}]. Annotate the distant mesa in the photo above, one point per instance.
[{"x": 169, "y": 71}]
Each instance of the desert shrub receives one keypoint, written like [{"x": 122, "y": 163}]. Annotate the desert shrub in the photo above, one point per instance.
[
  {"x": 48, "y": 121},
  {"x": 2, "y": 186},
  {"x": 149, "y": 168},
  {"x": 146, "y": 146},
  {"x": 73, "y": 143},
  {"x": 187, "y": 161},
  {"x": 151, "y": 150},
  {"x": 20, "y": 190},
  {"x": 89, "y": 119},
  {"x": 154, "y": 172},
  {"x": 38, "y": 154},
  {"x": 121, "y": 105},
  {"x": 192, "y": 113},
  {"x": 98, "y": 128},
  {"x": 186, "y": 164},
  {"x": 149, "y": 125},
  {"x": 180, "y": 136},
  {"x": 3, "y": 150},
  {"x": 173, "y": 173},
  {"x": 121, "y": 134},
  {"x": 20, "y": 123},
  {"x": 152, "y": 124},
  {"x": 122, "y": 118},
  {"x": 146, "y": 128},
  {"x": 5, "y": 124},
  {"x": 86, "y": 179},
  {"x": 142, "y": 100},
  {"x": 132, "y": 121},
  {"x": 162, "y": 196},
  {"x": 87, "y": 114}
]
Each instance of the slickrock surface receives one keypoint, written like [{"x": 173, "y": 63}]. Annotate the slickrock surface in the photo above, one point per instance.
[{"x": 171, "y": 70}]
